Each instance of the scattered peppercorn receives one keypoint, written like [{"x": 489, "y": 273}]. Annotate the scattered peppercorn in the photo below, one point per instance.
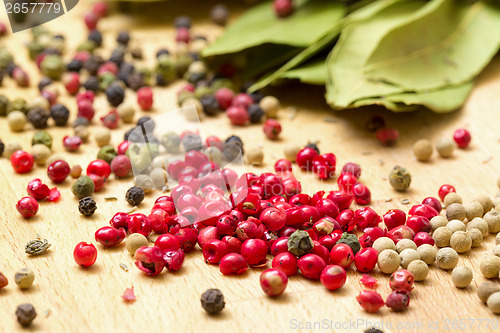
[
  {"x": 83, "y": 187},
  {"x": 60, "y": 114},
  {"x": 219, "y": 14},
  {"x": 24, "y": 278},
  {"x": 134, "y": 195},
  {"x": 351, "y": 240},
  {"x": 115, "y": 94},
  {"x": 42, "y": 137},
  {"x": 25, "y": 314},
  {"x": 400, "y": 178},
  {"x": 135, "y": 241},
  {"x": 212, "y": 301},
  {"x": 87, "y": 206},
  {"x": 38, "y": 117},
  {"x": 300, "y": 243},
  {"x": 107, "y": 153},
  {"x": 16, "y": 120},
  {"x": 422, "y": 150}
]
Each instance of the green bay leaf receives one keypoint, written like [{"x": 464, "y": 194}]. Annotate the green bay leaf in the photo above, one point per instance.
[
  {"x": 310, "y": 73},
  {"x": 447, "y": 42},
  {"x": 311, "y": 20}
]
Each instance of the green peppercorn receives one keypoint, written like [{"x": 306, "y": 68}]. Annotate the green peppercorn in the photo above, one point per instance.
[
  {"x": 399, "y": 178},
  {"x": 34, "y": 49},
  {"x": 105, "y": 80},
  {"x": 222, "y": 83},
  {"x": 165, "y": 68},
  {"x": 182, "y": 64},
  {"x": 212, "y": 301},
  {"x": 83, "y": 187},
  {"x": 300, "y": 243},
  {"x": 18, "y": 104},
  {"x": 5, "y": 58},
  {"x": 350, "y": 240},
  {"x": 4, "y": 105},
  {"x": 42, "y": 137},
  {"x": 183, "y": 96},
  {"x": 203, "y": 91},
  {"x": 53, "y": 66},
  {"x": 88, "y": 45},
  {"x": 107, "y": 153}
]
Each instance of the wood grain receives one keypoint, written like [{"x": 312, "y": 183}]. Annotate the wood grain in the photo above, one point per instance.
[{"x": 89, "y": 300}]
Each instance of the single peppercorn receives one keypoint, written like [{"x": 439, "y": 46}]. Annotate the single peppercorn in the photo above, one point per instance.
[
  {"x": 300, "y": 243},
  {"x": 92, "y": 84},
  {"x": 2, "y": 147},
  {"x": 4, "y": 105},
  {"x": 16, "y": 120},
  {"x": 38, "y": 117},
  {"x": 219, "y": 14},
  {"x": 25, "y": 314},
  {"x": 83, "y": 187},
  {"x": 147, "y": 124},
  {"x": 210, "y": 105},
  {"x": 96, "y": 37},
  {"x": 400, "y": 178},
  {"x": 115, "y": 94},
  {"x": 134, "y": 195},
  {"x": 60, "y": 114},
  {"x": 117, "y": 55},
  {"x": 255, "y": 113},
  {"x": 44, "y": 82},
  {"x": 212, "y": 301},
  {"x": 42, "y": 137},
  {"x": 123, "y": 38},
  {"x": 24, "y": 278},
  {"x": 107, "y": 153},
  {"x": 93, "y": 63},
  {"x": 350, "y": 240},
  {"x": 87, "y": 206},
  {"x": 74, "y": 65},
  {"x": 192, "y": 141}
]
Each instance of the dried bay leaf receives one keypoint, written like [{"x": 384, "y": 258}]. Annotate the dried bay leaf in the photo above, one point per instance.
[
  {"x": 311, "y": 20},
  {"x": 447, "y": 42},
  {"x": 310, "y": 73}
]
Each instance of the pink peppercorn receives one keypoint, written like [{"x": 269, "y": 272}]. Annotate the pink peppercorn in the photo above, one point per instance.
[
  {"x": 341, "y": 198},
  {"x": 3, "y": 29},
  {"x": 243, "y": 100},
  {"x": 72, "y": 143},
  {"x": 333, "y": 277},
  {"x": 352, "y": 168},
  {"x": 71, "y": 82},
  {"x": 214, "y": 250},
  {"x": 205, "y": 235},
  {"x": 285, "y": 262},
  {"x": 462, "y": 138},
  {"x": 139, "y": 223},
  {"x": 273, "y": 282},
  {"x": 362, "y": 194},
  {"x": 444, "y": 190},
  {"x": 111, "y": 119},
  {"x": 100, "y": 8},
  {"x": 370, "y": 235},
  {"x": 282, "y": 165},
  {"x": 283, "y": 8},
  {"x": 398, "y": 300},
  {"x": 174, "y": 259},
  {"x": 99, "y": 182},
  {"x": 107, "y": 67},
  {"x": 423, "y": 238},
  {"x": 418, "y": 224},
  {"x": 86, "y": 95},
  {"x": 145, "y": 98},
  {"x": 394, "y": 218},
  {"x": 273, "y": 218},
  {"x": 27, "y": 207},
  {"x": 237, "y": 115},
  {"x": 188, "y": 238},
  {"x": 90, "y": 20},
  {"x": 402, "y": 279},
  {"x": 400, "y": 232},
  {"x": 254, "y": 251},
  {"x": 58, "y": 171},
  {"x": 121, "y": 166},
  {"x": 346, "y": 220},
  {"x": 324, "y": 165},
  {"x": 370, "y": 300},
  {"x": 85, "y": 109},
  {"x": 321, "y": 251},
  {"x": 99, "y": 168},
  {"x": 183, "y": 35},
  {"x": 21, "y": 77},
  {"x": 233, "y": 264},
  {"x": 423, "y": 210},
  {"x": 119, "y": 220},
  {"x": 224, "y": 97},
  {"x": 234, "y": 243},
  {"x": 109, "y": 236},
  {"x": 327, "y": 207},
  {"x": 305, "y": 158},
  {"x": 37, "y": 190},
  {"x": 366, "y": 259},
  {"x": 280, "y": 246},
  {"x": 149, "y": 260},
  {"x": 366, "y": 217},
  {"x": 272, "y": 129},
  {"x": 85, "y": 254},
  {"x": 167, "y": 242},
  {"x": 328, "y": 241},
  {"x": 311, "y": 266},
  {"x": 387, "y": 136},
  {"x": 122, "y": 147},
  {"x": 22, "y": 162},
  {"x": 342, "y": 255},
  {"x": 434, "y": 203}
]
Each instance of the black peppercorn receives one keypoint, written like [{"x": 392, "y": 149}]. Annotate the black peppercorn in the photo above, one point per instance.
[
  {"x": 219, "y": 14},
  {"x": 182, "y": 22},
  {"x": 118, "y": 55},
  {"x": 87, "y": 206},
  {"x": 136, "y": 53},
  {"x": 10, "y": 68},
  {"x": 236, "y": 139},
  {"x": 115, "y": 94},
  {"x": 232, "y": 150},
  {"x": 74, "y": 65},
  {"x": 126, "y": 136},
  {"x": 44, "y": 82},
  {"x": 192, "y": 141},
  {"x": 92, "y": 84},
  {"x": 134, "y": 195},
  {"x": 38, "y": 117},
  {"x": 212, "y": 301},
  {"x": 375, "y": 123},
  {"x": 147, "y": 123},
  {"x": 123, "y": 38},
  {"x": 135, "y": 81},
  {"x": 210, "y": 105},
  {"x": 93, "y": 64},
  {"x": 60, "y": 114},
  {"x": 2, "y": 147},
  {"x": 80, "y": 121},
  {"x": 256, "y": 113},
  {"x": 125, "y": 70},
  {"x": 193, "y": 78},
  {"x": 257, "y": 96},
  {"x": 96, "y": 37},
  {"x": 161, "y": 52},
  {"x": 25, "y": 314},
  {"x": 313, "y": 146}
]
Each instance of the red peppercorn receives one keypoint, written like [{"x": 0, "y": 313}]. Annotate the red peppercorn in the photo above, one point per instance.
[
  {"x": 107, "y": 67},
  {"x": 214, "y": 250},
  {"x": 418, "y": 223},
  {"x": 398, "y": 300},
  {"x": 325, "y": 226},
  {"x": 366, "y": 259},
  {"x": 58, "y": 171},
  {"x": 423, "y": 210},
  {"x": 91, "y": 20},
  {"x": 310, "y": 213},
  {"x": 72, "y": 143},
  {"x": 121, "y": 166},
  {"x": 346, "y": 182},
  {"x": 99, "y": 168},
  {"x": 327, "y": 207},
  {"x": 366, "y": 217},
  {"x": 183, "y": 35},
  {"x": 280, "y": 246},
  {"x": 71, "y": 82},
  {"x": 327, "y": 241},
  {"x": 387, "y": 136},
  {"x": 27, "y": 207},
  {"x": 423, "y": 238},
  {"x": 139, "y": 223},
  {"x": 324, "y": 165},
  {"x": 109, "y": 236},
  {"x": 237, "y": 115},
  {"x": 119, "y": 220},
  {"x": 167, "y": 242},
  {"x": 233, "y": 263},
  {"x": 272, "y": 129},
  {"x": 111, "y": 119},
  {"x": 311, "y": 266},
  {"x": 341, "y": 198},
  {"x": 207, "y": 234},
  {"x": 462, "y": 138},
  {"x": 174, "y": 259},
  {"x": 234, "y": 243},
  {"x": 273, "y": 218},
  {"x": 305, "y": 158},
  {"x": 352, "y": 168},
  {"x": 370, "y": 235},
  {"x": 254, "y": 251},
  {"x": 369, "y": 281},
  {"x": 394, "y": 218},
  {"x": 37, "y": 190},
  {"x": 188, "y": 238},
  {"x": 248, "y": 229},
  {"x": 282, "y": 165},
  {"x": 22, "y": 162},
  {"x": 3, "y": 32},
  {"x": 224, "y": 97},
  {"x": 226, "y": 225},
  {"x": 285, "y": 262},
  {"x": 271, "y": 185},
  {"x": 86, "y": 95},
  {"x": 333, "y": 277},
  {"x": 85, "y": 109},
  {"x": 370, "y": 300},
  {"x": 100, "y": 8},
  {"x": 149, "y": 260},
  {"x": 321, "y": 251},
  {"x": 444, "y": 190},
  {"x": 98, "y": 182},
  {"x": 342, "y": 255},
  {"x": 402, "y": 279},
  {"x": 122, "y": 147},
  {"x": 85, "y": 254},
  {"x": 362, "y": 194},
  {"x": 283, "y": 8},
  {"x": 145, "y": 98},
  {"x": 400, "y": 232},
  {"x": 300, "y": 199},
  {"x": 346, "y": 220},
  {"x": 243, "y": 100},
  {"x": 273, "y": 282},
  {"x": 21, "y": 77},
  {"x": 434, "y": 203}
]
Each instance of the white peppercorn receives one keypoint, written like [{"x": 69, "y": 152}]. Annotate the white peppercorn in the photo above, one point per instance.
[
  {"x": 490, "y": 266},
  {"x": 456, "y": 225},
  {"x": 384, "y": 243},
  {"x": 485, "y": 201},
  {"x": 473, "y": 209},
  {"x": 38, "y": 102},
  {"x": 190, "y": 114},
  {"x": 291, "y": 150},
  {"x": 82, "y": 132},
  {"x": 145, "y": 182},
  {"x": 160, "y": 162},
  {"x": 422, "y": 149},
  {"x": 419, "y": 269},
  {"x": 159, "y": 177},
  {"x": 270, "y": 105},
  {"x": 446, "y": 258},
  {"x": 493, "y": 220},
  {"x": 214, "y": 154},
  {"x": 254, "y": 156},
  {"x": 452, "y": 198},
  {"x": 438, "y": 221},
  {"x": 404, "y": 244},
  {"x": 102, "y": 136},
  {"x": 493, "y": 303},
  {"x": 427, "y": 253},
  {"x": 388, "y": 261},
  {"x": 480, "y": 224},
  {"x": 135, "y": 241},
  {"x": 24, "y": 278},
  {"x": 486, "y": 289},
  {"x": 407, "y": 256},
  {"x": 460, "y": 241},
  {"x": 442, "y": 236},
  {"x": 461, "y": 276},
  {"x": 41, "y": 153},
  {"x": 455, "y": 211},
  {"x": 476, "y": 237},
  {"x": 497, "y": 239},
  {"x": 10, "y": 148},
  {"x": 126, "y": 112},
  {"x": 445, "y": 147},
  {"x": 16, "y": 120}
]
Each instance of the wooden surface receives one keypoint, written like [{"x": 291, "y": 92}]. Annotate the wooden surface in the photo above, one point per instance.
[{"x": 89, "y": 300}]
